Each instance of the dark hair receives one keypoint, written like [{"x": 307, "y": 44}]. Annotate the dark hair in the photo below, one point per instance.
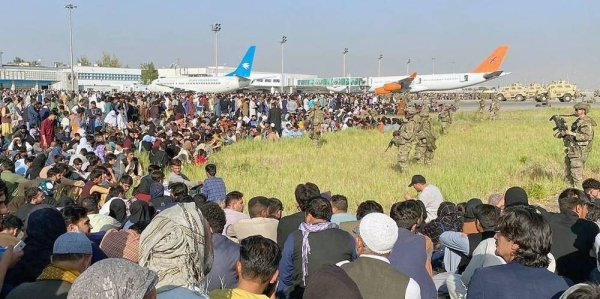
[
  {"x": 215, "y": 216},
  {"x": 68, "y": 257},
  {"x": 590, "y": 183},
  {"x": 157, "y": 175},
  {"x": 126, "y": 179},
  {"x": 211, "y": 169},
  {"x": 319, "y": 208},
  {"x": 11, "y": 221},
  {"x": 153, "y": 167},
  {"x": 593, "y": 213},
  {"x": 96, "y": 173},
  {"x": 178, "y": 190},
  {"x": 52, "y": 172},
  {"x": 488, "y": 216},
  {"x": 139, "y": 227},
  {"x": 570, "y": 198},
  {"x": 199, "y": 199},
  {"x": 340, "y": 202},
  {"x": 31, "y": 193},
  {"x": 115, "y": 191},
  {"x": 406, "y": 213},
  {"x": 176, "y": 162},
  {"x": 531, "y": 231},
  {"x": 8, "y": 165},
  {"x": 256, "y": 205},
  {"x": 304, "y": 192},
  {"x": 233, "y": 196},
  {"x": 73, "y": 213},
  {"x": 110, "y": 156},
  {"x": 367, "y": 207},
  {"x": 260, "y": 258},
  {"x": 90, "y": 204},
  {"x": 275, "y": 205}
]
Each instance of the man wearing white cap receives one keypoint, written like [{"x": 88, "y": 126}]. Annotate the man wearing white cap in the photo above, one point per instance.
[{"x": 375, "y": 277}]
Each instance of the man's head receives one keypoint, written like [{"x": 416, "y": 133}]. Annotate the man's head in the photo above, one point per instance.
[
  {"x": 215, "y": 217},
  {"x": 259, "y": 261},
  {"x": 406, "y": 214},
  {"x": 318, "y": 210},
  {"x": 339, "y": 203},
  {"x": 96, "y": 176},
  {"x": 524, "y": 235},
  {"x": 258, "y": 207},
  {"x": 275, "y": 208},
  {"x": 376, "y": 234},
  {"x": 76, "y": 219},
  {"x": 486, "y": 217},
  {"x": 176, "y": 166},
  {"x": 235, "y": 201},
  {"x": 211, "y": 170},
  {"x": 72, "y": 251},
  {"x": 34, "y": 195},
  {"x": 575, "y": 200},
  {"x": 116, "y": 191},
  {"x": 591, "y": 187},
  {"x": 367, "y": 207},
  {"x": 418, "y": 182},
  {"x": 581, "y": 109},
  {"x": 304, "y": 192},
  {"x": 11, "y": 225},
  {"x": 90, "y": 204}
]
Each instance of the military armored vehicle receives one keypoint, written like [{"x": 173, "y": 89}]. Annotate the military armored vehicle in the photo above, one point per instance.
[
  {"x": 562, "y": 91},
  {"x": 536, "y": 92},
  {"x": 514, "y": 91}
]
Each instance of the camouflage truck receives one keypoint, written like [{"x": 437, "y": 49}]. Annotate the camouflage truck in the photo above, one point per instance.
[
  {"x": 562, "y": 91},
  {"x": 536, "y": 92},
  {"x": 514, "y": 91}
]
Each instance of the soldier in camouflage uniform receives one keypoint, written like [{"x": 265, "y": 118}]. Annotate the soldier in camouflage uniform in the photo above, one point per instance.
[
  {"x": 481, "y": 107},
  {"x": 425, "y": 140},
  {"x": 494, "y": 108},
  {"x": 404, "y": 138},
  {"x": 445, "y": 117},
  {"x": 315, "y": 119},
  {"x": 456, "y": 102},
  {"x": 578, "y": 151}
]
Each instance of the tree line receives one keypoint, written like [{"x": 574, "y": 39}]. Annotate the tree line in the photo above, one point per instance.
[{"x": 149, "y": 72}]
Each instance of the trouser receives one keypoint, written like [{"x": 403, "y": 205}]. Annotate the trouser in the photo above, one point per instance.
[
  {"x": 315, "y": 135},
  {"x": 420, "y": 150},
  {"x": 456, "y": 287},
  {"x": 574, "y": 170},
  {"x": 445, "y": 127},
  {"x": 403, "y": 153}
]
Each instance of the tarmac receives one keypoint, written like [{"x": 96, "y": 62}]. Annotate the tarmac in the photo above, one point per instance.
[{"x": 471, "y": 105}]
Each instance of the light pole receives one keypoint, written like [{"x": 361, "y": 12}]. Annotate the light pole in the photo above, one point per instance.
[
  {"x": 344, "y": 62},
  {"x": 1, "y": 66},
  {"x": 70, "y": 7},
  {"x": 407, "y": 64},
  {"x": 379, "y": 65},
  {"x": 433, "y": 63},
  {"x": 282, "y": 41},
  {"x": 216, "y": 28}
]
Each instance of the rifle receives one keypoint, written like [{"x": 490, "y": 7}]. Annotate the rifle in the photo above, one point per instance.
[
  {"x": 396, "y": 133},
  {"x": 560, "y": 125}
]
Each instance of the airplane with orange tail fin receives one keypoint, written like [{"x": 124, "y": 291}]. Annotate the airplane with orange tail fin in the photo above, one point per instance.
[{"x": 488, "y": 70}]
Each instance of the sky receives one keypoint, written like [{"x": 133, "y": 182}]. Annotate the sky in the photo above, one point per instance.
[{"x": 549, "y": 40}]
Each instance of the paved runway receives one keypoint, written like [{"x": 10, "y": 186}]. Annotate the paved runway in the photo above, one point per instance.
[{"x": 470, "y": 105}]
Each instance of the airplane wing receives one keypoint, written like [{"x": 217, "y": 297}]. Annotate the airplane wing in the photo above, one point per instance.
[{"x": 398, "y": 86}]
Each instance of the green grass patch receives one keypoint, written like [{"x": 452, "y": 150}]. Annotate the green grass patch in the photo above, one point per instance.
[{"x": 477, "y": 158}]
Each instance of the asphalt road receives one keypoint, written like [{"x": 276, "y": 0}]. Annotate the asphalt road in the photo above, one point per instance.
[{"x": 470, "y": 105}]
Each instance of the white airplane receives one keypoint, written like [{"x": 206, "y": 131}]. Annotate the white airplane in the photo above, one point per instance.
[
  {"x": 233, "y": 81},
  {"x": 488, "y": 70}
]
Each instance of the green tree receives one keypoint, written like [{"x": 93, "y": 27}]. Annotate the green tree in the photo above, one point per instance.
[
  {"x": 84, "y": 61},
  {"x": 108, "y": 60},
  {"x": 149, "y": 72},
  {"x": 35, "y": 63},
  {"x": 18, "y": 60}
]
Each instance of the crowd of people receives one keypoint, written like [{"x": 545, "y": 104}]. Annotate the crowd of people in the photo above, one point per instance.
[{"x": 97, "y": 223}]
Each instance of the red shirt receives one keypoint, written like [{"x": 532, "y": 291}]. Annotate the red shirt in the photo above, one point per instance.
[{"x": 47, "y": 130}]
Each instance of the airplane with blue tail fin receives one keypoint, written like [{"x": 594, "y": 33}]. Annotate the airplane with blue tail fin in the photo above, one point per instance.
[{"x": 238, "y": 79}]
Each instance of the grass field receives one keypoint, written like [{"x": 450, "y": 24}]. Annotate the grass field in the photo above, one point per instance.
[{"x": 477, "y": 158}]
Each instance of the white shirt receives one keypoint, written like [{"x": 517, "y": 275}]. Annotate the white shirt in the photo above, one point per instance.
[
  {"x": 432, "y": 197},
  {"x": 412, "y": 289}
]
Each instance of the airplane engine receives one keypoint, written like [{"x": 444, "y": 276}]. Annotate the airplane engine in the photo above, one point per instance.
[
  {"x": 394, "y": 86},
  {"x": 381, "y": 90}
]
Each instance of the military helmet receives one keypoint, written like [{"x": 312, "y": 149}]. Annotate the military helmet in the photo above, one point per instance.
[
  {"x": 584, "y": 106},
  {"x": 410, "y": 110}
]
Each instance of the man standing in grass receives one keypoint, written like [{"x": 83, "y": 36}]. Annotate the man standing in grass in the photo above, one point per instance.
[
  {"x": 580, "y": 146},
  {"x": 405, "y": 138}
]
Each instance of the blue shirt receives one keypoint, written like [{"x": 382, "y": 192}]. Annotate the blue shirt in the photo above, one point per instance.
[
  {"x": 342, "y": 217},
  {"x": 214, "y": 189}
]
